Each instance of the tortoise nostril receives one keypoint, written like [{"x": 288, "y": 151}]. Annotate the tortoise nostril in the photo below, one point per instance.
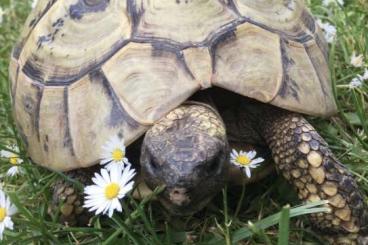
[{"x": 153, "y": 164}]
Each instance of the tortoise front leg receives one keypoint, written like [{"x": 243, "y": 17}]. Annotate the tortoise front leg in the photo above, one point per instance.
[
  {"x": 304, "y": 159},
  {"x": 68, "y": 199}
]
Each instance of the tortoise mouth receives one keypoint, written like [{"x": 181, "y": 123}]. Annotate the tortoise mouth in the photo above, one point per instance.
[
  {"x": 183, "y": 200},
  {"x": 185, "y": 210}
]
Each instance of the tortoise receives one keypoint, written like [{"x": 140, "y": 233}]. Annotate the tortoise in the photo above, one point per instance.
[{"x": 194, "y": 77}]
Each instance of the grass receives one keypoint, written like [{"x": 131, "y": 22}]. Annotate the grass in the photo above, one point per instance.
[{"x": 255, "y": 214}]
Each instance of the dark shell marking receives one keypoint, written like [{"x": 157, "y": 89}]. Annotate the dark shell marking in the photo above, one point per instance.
[
  {"x": 68, "y": 140},
  {"x": 289, "y": 86},
  {"x": 77, "y": 10},
  {"x": 32, "y": 23},
  {"x": 118, "y": 113},
  {"x": 32, "y": 107}
]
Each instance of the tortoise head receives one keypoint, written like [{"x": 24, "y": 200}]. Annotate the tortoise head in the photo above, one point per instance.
[{"x": 186, "y": 151}]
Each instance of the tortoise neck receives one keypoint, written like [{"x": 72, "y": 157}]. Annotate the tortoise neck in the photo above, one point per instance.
[
  {"x": 203, "y": 97},
  {"x": 262, "y": 116}
]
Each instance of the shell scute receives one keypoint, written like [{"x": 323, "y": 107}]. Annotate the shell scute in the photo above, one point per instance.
[
  {"x": 149, "y": 81},
  {"x": 72, "y": 38},
  {"x": 246, "y": 74},
  {"x": 181, "y": 21}
]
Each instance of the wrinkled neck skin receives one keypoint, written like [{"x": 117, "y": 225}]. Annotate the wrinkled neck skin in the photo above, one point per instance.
[{"x": 250, "y": 120}]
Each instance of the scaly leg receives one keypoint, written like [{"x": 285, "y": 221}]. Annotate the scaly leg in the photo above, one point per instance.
[
  {"x": 304, "y": 159},
  {"x": 68, "y": 200}
]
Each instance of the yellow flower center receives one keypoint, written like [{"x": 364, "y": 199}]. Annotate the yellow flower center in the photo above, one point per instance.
[
  {"x": 112, "y": 191},
  {"x": 2, "y": 214},
  {"x": 243, "y": 160},
  {"x": 13, "y": 160},
  {"x": 118, "y": 155}
]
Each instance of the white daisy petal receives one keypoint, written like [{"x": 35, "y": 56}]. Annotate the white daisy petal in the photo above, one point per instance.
[
  {"x": 126, "y": 161},
  {"x": 127, "y": 175},
  {"x": 1, "y": 14},
  {"x": 329, "y": 31},
  {"x": 12, "y": 210},
  {"x": 105, "y": 175},
  {"x": 5, "y": 154},
  {"x": 98, "y": 180},
  {"x": 92, "y": 189},
  {"x": 2, "y": 227},
  {"x": 13, "y": 171},
  {"x": 365, "y": 75},
  {"x": 99, "y": 209},
  {"x": 114, "y": 166},
  {"x": 116, "y": 205},
  {"x": 258, "y": 160},
  {"x": 247, "y": 172},
  {"x": 106, "y": 160},
  {"x": 34, "y": 3},
  {"x": 234, "y": 153},
  {"x": 2, "y": 199},
  {"x": 251, "y": 154},
  {"x": 8, "y": 223},
  {"x": 327, "y": 3},
  {"x": 253, "y": 165},
  {"x": 126, "y": 189},
  {"x": 356, "y": 82}
]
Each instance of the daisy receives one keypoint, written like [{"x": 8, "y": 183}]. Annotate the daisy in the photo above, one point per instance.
[
  {"x": 114, "y": 154},
  {"x": 13, "y": 159},
  {"x": 245, "y": 160},
  {"x": 356, "y": 61},
  {"x": 329, "y": 31},
  {"x": 103, "y": 197},
  {"x": 7, "y": 209}
]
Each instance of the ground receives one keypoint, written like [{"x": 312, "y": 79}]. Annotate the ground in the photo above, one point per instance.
[{"x": 255, "y": 214}]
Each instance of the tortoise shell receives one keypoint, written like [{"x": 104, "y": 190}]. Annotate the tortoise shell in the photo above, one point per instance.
[{"x": 85, "y": 70}]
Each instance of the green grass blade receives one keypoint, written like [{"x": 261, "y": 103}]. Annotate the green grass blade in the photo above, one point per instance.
[
  {"x": 275, "y": 218},
  {"x": 284, "y": 226},
  {"x": 260, "y": 233}
]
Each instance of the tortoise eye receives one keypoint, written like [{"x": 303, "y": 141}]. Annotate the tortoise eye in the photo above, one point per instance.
[
  {"x": 214, "y": 166},
  {"x": 153, "y": 164}
]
